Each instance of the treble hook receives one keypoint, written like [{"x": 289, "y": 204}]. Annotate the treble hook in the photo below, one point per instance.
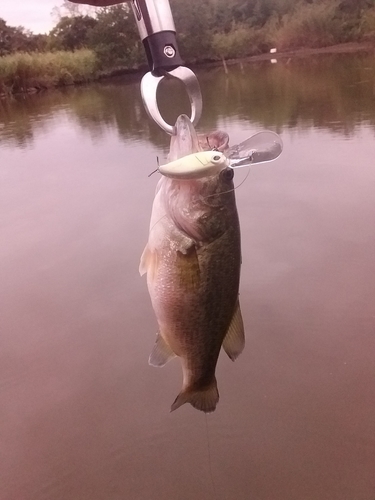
[{"x": 158, "y": 33}]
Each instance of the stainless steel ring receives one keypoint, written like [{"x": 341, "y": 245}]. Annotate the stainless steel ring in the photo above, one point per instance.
[{"x": 149, "y": 87}]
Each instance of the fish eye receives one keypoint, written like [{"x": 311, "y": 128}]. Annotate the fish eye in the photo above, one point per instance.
[
  {"x": 227, "y": 174},
  {"x": 216, "y": 158}
]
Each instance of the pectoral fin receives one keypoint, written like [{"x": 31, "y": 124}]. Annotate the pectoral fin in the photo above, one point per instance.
[
  {"x": 234, "y": 341},
  {"x": 143, "y": 265},
  {"x": 149, "y": 262},
  {"x": 161, "y": 352},
  {"x": 188, "y": 271}
]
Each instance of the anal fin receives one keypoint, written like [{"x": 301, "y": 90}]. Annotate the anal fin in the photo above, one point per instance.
[
  {"x": 161, "y": 353},
  {"x": 234, "y": 341}
]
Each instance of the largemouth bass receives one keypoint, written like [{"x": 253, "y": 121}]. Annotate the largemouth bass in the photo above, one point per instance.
[{"x": 192, "y": 260}]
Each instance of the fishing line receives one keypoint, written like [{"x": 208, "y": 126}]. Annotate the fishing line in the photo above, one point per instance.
[
  {"x": 153, "y": 172},
  {"x": 210, "y": 459},
  {"x": 156, "y": 170},
  {"x": 247, "y": 175},
  {"x": 157, "y": 222}
]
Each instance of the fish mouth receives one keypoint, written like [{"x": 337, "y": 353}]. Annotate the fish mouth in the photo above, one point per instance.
[{"x": 185, "y": 140}]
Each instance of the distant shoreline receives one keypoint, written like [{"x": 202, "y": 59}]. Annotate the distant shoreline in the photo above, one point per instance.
[{"x": 344, "y": 48}]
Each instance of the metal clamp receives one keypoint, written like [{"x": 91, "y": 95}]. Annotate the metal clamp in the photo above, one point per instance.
[
  {"x": 158, "y": 33},
  {"x": 149, "y": 87}
]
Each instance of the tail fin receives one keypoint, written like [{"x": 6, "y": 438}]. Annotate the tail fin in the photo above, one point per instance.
[{"x": 204, "y": 399}]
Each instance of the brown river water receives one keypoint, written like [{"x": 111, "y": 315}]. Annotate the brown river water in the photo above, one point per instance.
[{"x": 82, "y": 415}]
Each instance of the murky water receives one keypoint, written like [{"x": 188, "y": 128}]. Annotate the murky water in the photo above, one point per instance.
[{"x": 82, "y": 414}]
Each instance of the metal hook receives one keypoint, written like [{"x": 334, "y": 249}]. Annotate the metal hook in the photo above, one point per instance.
[{"x": 149, "y": 87}]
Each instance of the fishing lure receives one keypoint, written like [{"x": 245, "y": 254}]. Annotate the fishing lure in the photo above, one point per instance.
[{"x": 259, "y": 148}]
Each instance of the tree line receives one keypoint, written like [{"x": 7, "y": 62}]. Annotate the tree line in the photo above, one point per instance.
[
  {"x": 106, "y": 39},
  {"x": 206, "y": 30}
]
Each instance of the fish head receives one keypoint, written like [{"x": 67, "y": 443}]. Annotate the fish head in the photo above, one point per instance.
[
  {"x": 198, "y": 203},
  {"x": 200, "y": 160},
  {"x": 185, "y": 139},
  {"x": 192, "y": 156}
]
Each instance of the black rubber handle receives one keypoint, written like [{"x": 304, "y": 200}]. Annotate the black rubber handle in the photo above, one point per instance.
[{"x": 162, "y": 52}]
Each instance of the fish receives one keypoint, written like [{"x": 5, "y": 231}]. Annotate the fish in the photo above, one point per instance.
[{"x": 193, "y": 261}]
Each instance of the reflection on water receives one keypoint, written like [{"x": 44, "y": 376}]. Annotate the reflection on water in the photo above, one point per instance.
[
  {"x": 82, "y": 414},
  {"x": 331, "y": 92}
]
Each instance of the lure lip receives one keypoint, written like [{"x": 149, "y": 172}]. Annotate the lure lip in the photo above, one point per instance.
[
  {"x": 261, "y": 147},
  {"x": 195, "y": 166}
]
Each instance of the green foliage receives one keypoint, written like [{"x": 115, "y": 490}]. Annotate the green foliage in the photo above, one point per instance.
[
  {"x": 311, "y": 25},
  {"x": 13, "y": 39},
  {"x": 194, "y": 37},
  {"x": 21, "y": 72},
  {"x": 355, "y": 7},
  {"x": 241, "y": 41},
  {"x": 368, "y": 25},
  {"x": 71, "y": 33},
  {"x": 115, "y": 38}
]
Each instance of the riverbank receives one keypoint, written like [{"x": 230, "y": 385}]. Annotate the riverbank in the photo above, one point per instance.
[
  {"x": 29, "y": 73},
  {"x": 343, "y": 48},
  {"x": 32, "y": 73}
]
